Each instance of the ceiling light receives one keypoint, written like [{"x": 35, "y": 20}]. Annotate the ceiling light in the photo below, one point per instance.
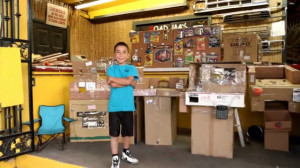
[{"x": 94, "y": 3}]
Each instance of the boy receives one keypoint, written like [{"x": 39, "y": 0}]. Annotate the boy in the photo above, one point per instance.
[{"x": 121, "y": 78}]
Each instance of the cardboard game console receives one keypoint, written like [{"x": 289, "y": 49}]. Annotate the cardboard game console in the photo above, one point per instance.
[{"x": 275, "y": 83}]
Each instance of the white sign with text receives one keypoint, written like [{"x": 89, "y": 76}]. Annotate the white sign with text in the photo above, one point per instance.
[{"x": 57, "y": 16}]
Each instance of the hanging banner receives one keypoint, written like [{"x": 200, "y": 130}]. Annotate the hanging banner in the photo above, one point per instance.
[{"x": 57, "y": 16}]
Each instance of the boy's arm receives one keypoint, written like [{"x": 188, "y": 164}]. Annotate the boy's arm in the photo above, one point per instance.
[
  {"x": 115, "y": 85},
  {"x": 121, "y": 81}
]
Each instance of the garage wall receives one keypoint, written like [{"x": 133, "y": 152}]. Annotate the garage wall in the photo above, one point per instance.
[
  {"x": 96, "y": 38},
  {"x": 80, "y": 29}
]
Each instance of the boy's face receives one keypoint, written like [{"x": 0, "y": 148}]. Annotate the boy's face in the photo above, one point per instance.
[{"x": 121, "y": 55}]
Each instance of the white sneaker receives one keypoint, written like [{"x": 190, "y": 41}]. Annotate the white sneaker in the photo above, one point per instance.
[
  {"x": 115, "y": 163},
  {"x": 126, "y": 156}
]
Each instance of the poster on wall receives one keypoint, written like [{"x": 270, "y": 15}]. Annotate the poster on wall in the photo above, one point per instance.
[
  {"x": 57, "y": 16},
  {"x": 163, "y": 55}
]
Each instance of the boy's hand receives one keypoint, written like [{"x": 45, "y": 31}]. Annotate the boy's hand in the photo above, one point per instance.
[
  {"x": 108, "y": 80},
  {"x": 133, "y": 83}
]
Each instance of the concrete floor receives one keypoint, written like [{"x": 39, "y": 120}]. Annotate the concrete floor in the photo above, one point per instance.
[{"x": 97, "y": 155}]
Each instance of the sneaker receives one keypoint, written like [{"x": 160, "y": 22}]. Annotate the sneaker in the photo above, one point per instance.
[
  {"x": 126, "y": 156},
  {"x": 115, "y": 163}
]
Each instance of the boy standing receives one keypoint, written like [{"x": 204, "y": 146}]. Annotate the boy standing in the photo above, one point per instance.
[{"x": 121, "y": 78}]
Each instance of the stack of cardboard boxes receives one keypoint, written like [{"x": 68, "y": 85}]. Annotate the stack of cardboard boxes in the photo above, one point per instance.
[
  {"x": 277, "y": 126},
  {"x": 212, "y": 136},
  {"x": 274, "y": 90},
  {"x": 89, "y": 96},
  {"x": 160, "y": 109}
]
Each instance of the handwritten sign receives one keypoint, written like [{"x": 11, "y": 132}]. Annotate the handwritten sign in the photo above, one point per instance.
[{"x": 57, "y": 15}]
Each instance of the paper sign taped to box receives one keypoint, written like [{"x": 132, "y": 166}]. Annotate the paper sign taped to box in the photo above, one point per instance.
[{"x": 215, "y": 99}]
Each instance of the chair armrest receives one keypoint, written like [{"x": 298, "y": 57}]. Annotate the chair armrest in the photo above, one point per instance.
[
  {"x": 69, "y": 120},
  {"x": 34, "y": 121}
]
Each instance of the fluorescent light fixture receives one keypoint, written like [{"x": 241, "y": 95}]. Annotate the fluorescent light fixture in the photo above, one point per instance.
[{"x": 94, "y": 3}]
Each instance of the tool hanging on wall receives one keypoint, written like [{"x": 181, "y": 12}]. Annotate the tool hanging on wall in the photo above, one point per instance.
[
  {"x": 250, "y": 15},
  {"x": 262, "y": 31},
  {"x": 273, "y": 46},
  {"x": 202, "y": 6}
]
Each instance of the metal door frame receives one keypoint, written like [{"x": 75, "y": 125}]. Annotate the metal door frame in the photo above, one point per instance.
[{"x": 13, "y": 141}]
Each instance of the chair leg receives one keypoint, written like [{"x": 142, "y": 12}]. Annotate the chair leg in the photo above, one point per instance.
[
  {"x": 39, "y": 143},
  {"x": 64, "y": 137},
  {"x": 53, "y": 138},
  {"x": 63, "y": 142}
]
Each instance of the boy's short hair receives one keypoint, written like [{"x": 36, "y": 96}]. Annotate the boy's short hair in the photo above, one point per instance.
[{"x": 121, "y": 44}]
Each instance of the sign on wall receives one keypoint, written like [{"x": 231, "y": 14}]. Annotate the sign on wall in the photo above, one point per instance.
[
  {"x": 174, "y": 24},
  {"x": 57, "y": 16}
]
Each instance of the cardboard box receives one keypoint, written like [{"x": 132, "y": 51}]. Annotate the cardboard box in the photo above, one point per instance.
[
  {"x": 294, "y": 107},
  {"x": 139, "y": 119},
  {"x": 277, "y": 140},
  {"x": 182, "y": 107},
  {"x": 93, "y": 90},
  {"x": 292, "y": 75},
  {"x": 277, "y": 125},
  {"x": 223, "y": 78},
  {"x": 273, "y": 94},
  {"x": 259, "y": 106},
  {"x": 277, "y": 120},
  {"x": 142, "y": 85},
  {"x": 160, "y": 121},
  {"x": 144, "y": 92},
  {"x": 277, "y": 84},
  {"x": 270, "y": 72},
  {"x": 272, "y": 90},
  {"x": 273, "y": 72},
  {"x": 194, "y": 76},
  {"x": 87, "y": 77},
  {"x": 164, "y": 82},
  {"x": 89, "y": 127},
  {"x": 141, "y": 74},
  {"x": 84, "y": 67},
  {"x": 241, "y": 47},
  {"x": 211, "y": 136},
  {"x": 93, "y": 121}
]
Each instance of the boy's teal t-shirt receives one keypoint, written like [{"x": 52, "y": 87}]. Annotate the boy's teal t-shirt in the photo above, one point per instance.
[{"x": 121, "y": 99}]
